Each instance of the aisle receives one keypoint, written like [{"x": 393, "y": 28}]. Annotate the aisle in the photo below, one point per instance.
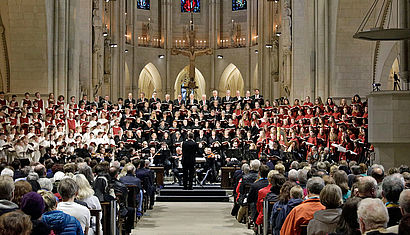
[{"x": 193, "y": 218}]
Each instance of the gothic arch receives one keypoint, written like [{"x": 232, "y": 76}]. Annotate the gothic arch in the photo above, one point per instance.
[
  {"x": 391, "y": 53},
  {"x": 231, "y": 79},
  {"x": 149, "y": 80},
  {"x": 183, "y": 76}
]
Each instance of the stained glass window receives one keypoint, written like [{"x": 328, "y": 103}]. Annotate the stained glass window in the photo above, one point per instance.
[
  {"x": 238, "y": 5},
  {"x": 143, "y": 4},
  {"x": 190, "y": 6}
]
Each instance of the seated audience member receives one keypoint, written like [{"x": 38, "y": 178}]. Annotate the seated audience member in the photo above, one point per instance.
[
  {"x": 255, "y": 187},
  {"x": 15, "y": 223},
  {"x": 404, "y": 202},
  {"x": 146, "y": 176},
  {"x": 68, "y": 190},
  {"x": 341, "y": 180},
  {"x": 348, "y": 223},
  {"x": 276, "y": 192},
  {"x": 392, "y": 186},
  {"x": 86, "y": 195},
  {"x": 296, "y": 197},
  {"x": 302, "y": 214},
  {"x": 21, "y": 187},
  {"x": 131, "y": 179},
  {"x": 373, "y": 216},
  {"x": 241, "y": 205},
  {"x": 44, "y": 182},
  {"x": 325, "y": 221},
  {"x": 6, "y": 195},
  {"x": 59, "y": 222},
  {"x": 32, "y": 204},
  {"x": 367, "y": 187}
]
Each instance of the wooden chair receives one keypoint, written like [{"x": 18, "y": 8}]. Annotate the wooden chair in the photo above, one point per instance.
[
  {"x": 133, "y": 192},
  {"x": 267, "y": 210},
  {"x": 109, "y": 217},
  {"x": 96, "y": 213}
]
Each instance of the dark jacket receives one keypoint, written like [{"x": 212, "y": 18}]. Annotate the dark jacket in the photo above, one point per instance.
[
  {"x": 394, "y": 216},
  {"x": 39, "y": 228},
  {"x": 280, "y": 219},
  {"x": 7, "y": 206},
  {"x": 189, "y": 151},
  {"x": 255, "y": 187},
  {"x": 62, "y": 223},
  {"x": 131, "y": 180},
  {"x": 147, "y": 180},
  {"x": 324, "y": 221},
  {"x": 248, "y": 179}
]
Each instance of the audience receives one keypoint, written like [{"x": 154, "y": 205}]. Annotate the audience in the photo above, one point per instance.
[{"x": 392, "y": 186}]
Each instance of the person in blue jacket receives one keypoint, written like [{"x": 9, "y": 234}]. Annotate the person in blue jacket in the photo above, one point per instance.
[{"x": 59, "y": 222}]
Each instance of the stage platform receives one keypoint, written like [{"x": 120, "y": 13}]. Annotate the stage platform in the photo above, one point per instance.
[{"x": 206, "y": 193}]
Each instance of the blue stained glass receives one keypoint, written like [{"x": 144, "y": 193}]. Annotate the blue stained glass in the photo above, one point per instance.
[
  {"x": 143, "y": 4},
  {"x": 239, "y": 5},
  {"x": 190, "y": 6}
]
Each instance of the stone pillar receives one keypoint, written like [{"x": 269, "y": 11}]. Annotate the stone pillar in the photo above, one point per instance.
[
  {"x": 168, "y": 46},
  {"x": 98, "y": 44},
  {"x": 389, "y": 126},
  {"x": 405, "y": 44},
  {"x": 321, "y": 48},
  {"x": 60, "y": 46}
]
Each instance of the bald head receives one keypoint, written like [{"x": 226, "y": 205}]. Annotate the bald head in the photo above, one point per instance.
[{"x": 404, "y": 202}]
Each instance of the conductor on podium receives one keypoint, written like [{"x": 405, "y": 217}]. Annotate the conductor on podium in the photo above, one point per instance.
[{"x": 189, "y": 151}]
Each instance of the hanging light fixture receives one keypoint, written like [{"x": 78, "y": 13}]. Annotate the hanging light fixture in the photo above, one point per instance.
[{"x": 381, "y": 30}]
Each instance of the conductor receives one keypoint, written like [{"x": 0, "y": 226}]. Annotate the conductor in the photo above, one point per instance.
[{"x": 189, "y": 151}]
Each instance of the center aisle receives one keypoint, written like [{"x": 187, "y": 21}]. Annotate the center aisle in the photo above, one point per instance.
[{"x": 191, "y": 218}]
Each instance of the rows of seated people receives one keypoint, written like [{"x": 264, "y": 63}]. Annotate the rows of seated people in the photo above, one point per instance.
[
  {"x": 322, "y": 198},
  {"x": 234, "y": 127},
  {"x": 60, "y": 199}
]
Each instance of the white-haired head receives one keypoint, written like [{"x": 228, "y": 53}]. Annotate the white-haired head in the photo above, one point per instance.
[{"x": 372, "y": 214}]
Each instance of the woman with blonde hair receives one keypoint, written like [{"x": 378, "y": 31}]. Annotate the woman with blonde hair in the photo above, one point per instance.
[{"x": 86, "y": 194}]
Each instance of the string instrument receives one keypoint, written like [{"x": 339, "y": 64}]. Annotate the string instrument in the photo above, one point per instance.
[{"x": 211, "y": 155}]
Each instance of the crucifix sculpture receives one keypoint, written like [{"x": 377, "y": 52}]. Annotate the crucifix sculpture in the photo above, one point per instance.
[{"x": 191, "y": 53}]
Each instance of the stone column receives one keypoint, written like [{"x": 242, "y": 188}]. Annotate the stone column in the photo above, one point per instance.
[
  {"x": 405, "y": 45},
  {"x": 321, "y": 48},
  {"x": 60, "y": 46},
  {"x": 168, "y": 46},
  {"x": 98, "y": 44}
]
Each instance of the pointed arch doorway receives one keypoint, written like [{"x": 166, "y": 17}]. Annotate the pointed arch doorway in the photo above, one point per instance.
[
  {"x": 232, "y": 80},
  {"x": 183, "y": 78},
  {"x": 149, "y": 80}
]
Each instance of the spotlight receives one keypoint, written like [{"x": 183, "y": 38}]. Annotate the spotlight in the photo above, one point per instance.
[
  {"x": 256, "y": 51},
  {"x": 269, "y": 46},
  {"x": 219, "y": 56},
  {"x": 278, "y": 34},
  {"x": 113, "y": 45},
  {"x": 126, "y": 50},
  {"x": 105, "y": 34},
  {"x": 161, "y": 56}
]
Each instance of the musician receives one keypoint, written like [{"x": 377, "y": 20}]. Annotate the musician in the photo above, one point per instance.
[
  {"x": 191, "y": 101},
  {"x": 257, "y": 97},
  {"x": 129, "y": 100},
  {"x": 215, "y": 97},
  {"x": 189, "y": 152},
  {"x": 274, "y": 150},
  {"x": 154, "y": 100},
  {"x": 227, "y": 98},
  {"x": 178, "y": 102},
  {"x": 210, "y": 165},
  {"x": 176, "y": 164},
  {"x": 203, "y": 102}
]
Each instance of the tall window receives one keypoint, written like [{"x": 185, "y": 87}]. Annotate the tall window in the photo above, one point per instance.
[
  {"x": 143, "y": 4},
  {"x": 238, "y": 5},
  {"x": 190, "y": 6}
]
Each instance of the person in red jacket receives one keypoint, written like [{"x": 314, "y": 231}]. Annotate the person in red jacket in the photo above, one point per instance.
[{"x": 302, "y": 214}]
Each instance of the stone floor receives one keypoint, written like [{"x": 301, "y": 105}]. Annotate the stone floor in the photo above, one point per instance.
[{"x": 191, "y": 218}]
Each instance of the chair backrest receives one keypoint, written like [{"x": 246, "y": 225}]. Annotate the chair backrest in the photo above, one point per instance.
[
  {"x": 109, "y": 211},
  {"x": 96, "y": 213},
  {"x": 132, "y": 195},
  {"x": 303, "y": 229}
]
